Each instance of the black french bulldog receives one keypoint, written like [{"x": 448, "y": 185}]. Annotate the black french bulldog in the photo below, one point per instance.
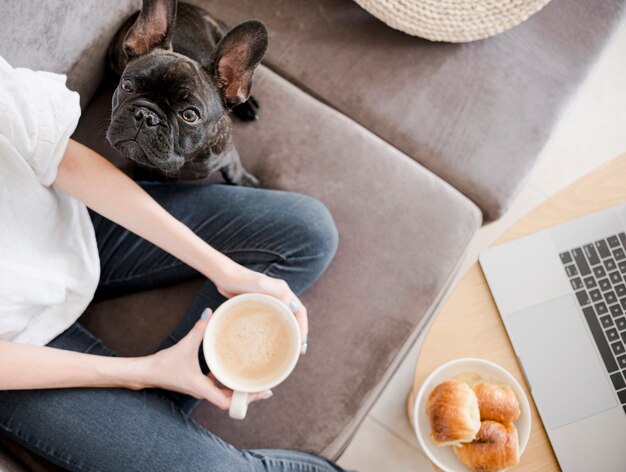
[{"x": 180, "y": 75}]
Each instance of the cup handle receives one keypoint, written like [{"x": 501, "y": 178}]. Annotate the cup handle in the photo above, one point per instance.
[{"x": 238, "y": 405}]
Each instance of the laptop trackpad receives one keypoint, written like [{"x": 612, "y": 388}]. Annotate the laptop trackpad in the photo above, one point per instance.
[{"x": 561, "y": 361}]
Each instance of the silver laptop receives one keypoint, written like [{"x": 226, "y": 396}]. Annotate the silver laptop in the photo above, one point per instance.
[{"x": 561, "y": 294}]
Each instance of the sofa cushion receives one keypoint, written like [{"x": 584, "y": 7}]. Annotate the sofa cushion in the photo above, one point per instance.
[
  {"x": 402, "y": 233},
  {"x": 63, "y": 36},
  {"x": 476, "y": 114}
]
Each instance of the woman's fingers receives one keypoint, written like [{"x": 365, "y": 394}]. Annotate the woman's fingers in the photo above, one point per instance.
[
  {"x": 281, "y": 290},
  {"x": 303, "y": 322},
  {"x": 188, "y": 346},
  {"x": 300, "y": 312},
  {"x": 194, "y": 338},
  {"x": 220, "y": 397},
  {"x": 264, "y": 395}
]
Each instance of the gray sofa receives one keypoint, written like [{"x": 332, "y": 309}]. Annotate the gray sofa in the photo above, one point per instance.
[{"x": 410, "y": 144}]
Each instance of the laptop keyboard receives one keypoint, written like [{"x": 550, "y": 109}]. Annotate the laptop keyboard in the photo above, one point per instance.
[{"x": 597, "y": 273}]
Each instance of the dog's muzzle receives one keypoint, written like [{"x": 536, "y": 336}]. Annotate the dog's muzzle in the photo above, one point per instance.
[{"x": 147, "y": 116}]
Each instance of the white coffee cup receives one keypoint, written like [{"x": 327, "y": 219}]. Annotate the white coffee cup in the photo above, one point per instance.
[{"x": 242, "y": 387}]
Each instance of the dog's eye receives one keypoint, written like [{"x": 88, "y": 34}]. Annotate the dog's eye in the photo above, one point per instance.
[
  {"x": 127, "y": 85},
  {"x": 190, "y": 115}
]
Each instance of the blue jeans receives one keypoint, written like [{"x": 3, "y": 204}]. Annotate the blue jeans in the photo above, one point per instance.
[{"x": 281, "y": 234}]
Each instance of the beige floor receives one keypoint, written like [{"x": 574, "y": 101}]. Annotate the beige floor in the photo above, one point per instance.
[{"x": 592, "y": 132}]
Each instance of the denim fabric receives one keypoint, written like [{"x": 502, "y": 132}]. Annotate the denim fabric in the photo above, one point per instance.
[{"x": 282, "y": 234}]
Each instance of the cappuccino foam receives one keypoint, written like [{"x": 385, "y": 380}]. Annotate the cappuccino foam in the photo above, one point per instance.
[{"x": 253, "y": 343}]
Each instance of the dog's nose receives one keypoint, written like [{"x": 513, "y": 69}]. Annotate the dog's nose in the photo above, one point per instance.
[{"x": 151, "y": 118}]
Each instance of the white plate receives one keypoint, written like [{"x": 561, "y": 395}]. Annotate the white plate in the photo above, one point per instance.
[{"x": 444, "y": 457}]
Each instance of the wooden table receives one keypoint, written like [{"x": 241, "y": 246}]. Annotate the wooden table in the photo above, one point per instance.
[{"x": 469, "y": 324}]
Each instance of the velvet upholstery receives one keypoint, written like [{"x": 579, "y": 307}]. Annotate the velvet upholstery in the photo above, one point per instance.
[
  {"x": 476, "y": 114},
  {"x": 402, "y": 233},
  {"x": 64, "y": 36}
]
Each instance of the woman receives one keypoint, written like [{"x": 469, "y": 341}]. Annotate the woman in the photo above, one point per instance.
[{"x": 129, "y": 414}]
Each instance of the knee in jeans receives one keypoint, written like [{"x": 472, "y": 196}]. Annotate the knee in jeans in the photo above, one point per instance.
[{"x": 315, "y": 226}]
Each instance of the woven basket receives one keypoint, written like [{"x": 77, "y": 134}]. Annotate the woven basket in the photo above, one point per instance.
[{"x": 454, "y": 21}]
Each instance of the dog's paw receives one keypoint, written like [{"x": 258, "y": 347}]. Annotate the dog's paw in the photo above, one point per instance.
[
  {"x": 249, "y": 180},
  {"x": 248, "y": 110}
]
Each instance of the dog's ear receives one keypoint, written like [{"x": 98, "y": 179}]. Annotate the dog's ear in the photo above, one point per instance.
[
  {"x": 236, "y": 57},
  {"x": 153, "y": 28}
]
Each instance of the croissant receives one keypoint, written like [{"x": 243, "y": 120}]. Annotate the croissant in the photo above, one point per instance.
[
  {"x": 497, "y": 402},
  {"x": 496, "y": 447},
  {"x": 453, "y": 413}
]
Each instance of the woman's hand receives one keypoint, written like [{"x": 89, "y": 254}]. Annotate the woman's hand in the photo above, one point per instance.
[
  {"x": 177, "y": 368},
  {"x": 239, "y": 279}
]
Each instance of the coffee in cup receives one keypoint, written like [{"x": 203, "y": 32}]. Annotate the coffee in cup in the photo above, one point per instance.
[{"x": 251, "y": 344}]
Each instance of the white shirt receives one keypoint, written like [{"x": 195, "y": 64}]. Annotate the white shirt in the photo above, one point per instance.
[{"x": 49, "y": 264}]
